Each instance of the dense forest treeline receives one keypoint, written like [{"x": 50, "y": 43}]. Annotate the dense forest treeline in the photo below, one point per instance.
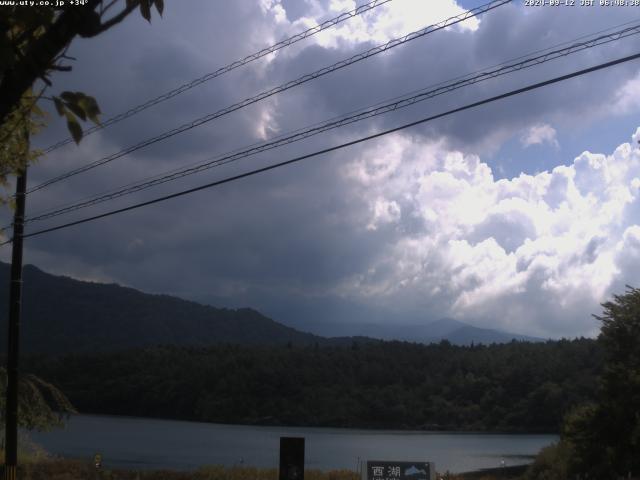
[{"x": 509, "y": 387}]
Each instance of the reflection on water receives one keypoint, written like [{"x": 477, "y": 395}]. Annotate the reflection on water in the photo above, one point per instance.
[{"x": 148, "y": 443}]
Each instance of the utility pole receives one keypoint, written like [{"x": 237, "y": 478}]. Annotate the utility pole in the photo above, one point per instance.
[{"x": 15, "y": 300}]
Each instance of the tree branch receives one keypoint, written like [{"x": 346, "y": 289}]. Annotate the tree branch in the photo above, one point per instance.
[
  {"x": 117, "y": 18},
  {"x": 107, "y": 7},
  {"x": 40, "y": 55}
]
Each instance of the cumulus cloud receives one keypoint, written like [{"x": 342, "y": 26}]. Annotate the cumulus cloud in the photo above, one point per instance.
[
  {"x": 536, "y": 251},
  {"x": 627, "y": 98},
  {"x": 384, "y": 212},
  {"x": 379, "y": 26},
  {"x": 415, "y": 224},
  {"x": 539, "y": 134}
]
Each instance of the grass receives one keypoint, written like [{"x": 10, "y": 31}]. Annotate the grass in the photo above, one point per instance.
[
  {"x": 39, "y": 468},
  {"x": 63, "y": 469},
  {"x": 28, "y": 450},
  {"x": 36, "y": 464}
]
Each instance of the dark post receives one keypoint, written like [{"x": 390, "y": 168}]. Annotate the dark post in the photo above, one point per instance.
[
  {"x": 15, "y": 294},
  {"x": 291, "y": 458}
]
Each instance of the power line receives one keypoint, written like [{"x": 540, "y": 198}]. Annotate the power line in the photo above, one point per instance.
[
  {"x": 286, "y": 86},
  {"x": 378, "y": 109},
  {"x": 227, "y": 68},
  {"x": 550, "y": 54},
  {"x": 339, "y": 147}
]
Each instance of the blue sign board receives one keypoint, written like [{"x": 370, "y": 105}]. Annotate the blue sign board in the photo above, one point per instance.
[{"x": 387, "y": 470}]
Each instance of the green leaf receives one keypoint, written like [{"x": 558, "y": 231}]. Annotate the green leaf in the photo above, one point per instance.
[
  {"x": 71, "y": 97},
  {"x": 59, "y": 106},
  {"x": 145, "y": 10},
  {"x": 90, "y": 107},
  {"x": 77, "y": 110},
  {"x": 90, "y": 26},
  {"x": 36, "y": 110},
  {"x": 94, "y": 117},
  {"x": 74, "y": 128},
  {"x": 159, "y": 6}
]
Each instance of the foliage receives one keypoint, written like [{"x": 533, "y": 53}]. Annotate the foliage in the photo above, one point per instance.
[
  {"x": 14, "y": 135},
  {"x": 28, "y": 451},
  {"x": 74, "y": 105},
  {"x": 511, "y": 387},
  {"x": 41, "y": 405},
  {"x": 551, "y": 463},
  {"x": 59, "y": 469},
  {"x": 64, "y": 469},
  {"x": 42, "y": 468},
  {"x": 33, "y": 43},
  {"x": 602, "y": 438}
]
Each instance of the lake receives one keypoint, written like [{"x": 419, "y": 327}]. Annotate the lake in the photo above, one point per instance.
[{"x": 142, "y": 443}]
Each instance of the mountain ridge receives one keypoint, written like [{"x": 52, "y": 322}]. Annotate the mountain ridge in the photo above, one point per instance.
[
  {"x": 61, "y": 314},
  {"x": 65, "y": 315},
  {"x": 454, "y": 331}
]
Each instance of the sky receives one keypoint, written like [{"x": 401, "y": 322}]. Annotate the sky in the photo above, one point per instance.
[{"x": 520, "y": 215}]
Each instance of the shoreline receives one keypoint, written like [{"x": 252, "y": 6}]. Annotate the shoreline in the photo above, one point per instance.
[
  {"x": 188, "y": 445},
  {"x": 399, "y": 429},
  {"x": 508, "y": 472},
  {"x": 57, "y": 468}
]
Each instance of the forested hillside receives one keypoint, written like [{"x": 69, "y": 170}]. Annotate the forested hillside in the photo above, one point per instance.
[
  {"x": 510, "y": 387},
  {"x": 61, "y": 314}
]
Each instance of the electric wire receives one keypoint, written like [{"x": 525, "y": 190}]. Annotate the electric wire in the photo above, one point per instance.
[
  {"x": 222, "y": 70},
  {"x": 92, "y": 198},
  {"x": 286, "y": 86},
  {"x": 337, "y": 122},
  {"x": 511, "y": 93}
]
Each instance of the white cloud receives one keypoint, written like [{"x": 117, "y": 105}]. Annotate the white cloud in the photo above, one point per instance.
[
  {"x": 534, "y": 253},
  {"x": 409, "y": 223},
  {"x": 539, "y": 134},
  {"x": 384, "y": 212},
  {"x": 380, "y": 25},
  {"x": 266, "y": 123},
  {"x": 627, "y": 98}
]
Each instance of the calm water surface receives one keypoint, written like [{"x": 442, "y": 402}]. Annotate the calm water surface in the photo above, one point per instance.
[{"x": 149, "y": 443}]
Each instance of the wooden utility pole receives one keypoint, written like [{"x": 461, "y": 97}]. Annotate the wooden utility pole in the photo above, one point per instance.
[{"x": 15, "y": 301}]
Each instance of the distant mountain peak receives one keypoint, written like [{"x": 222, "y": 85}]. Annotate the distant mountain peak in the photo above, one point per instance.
[
  {"x": 444, "y": 327},
  {"x": 455, "y": 331}
]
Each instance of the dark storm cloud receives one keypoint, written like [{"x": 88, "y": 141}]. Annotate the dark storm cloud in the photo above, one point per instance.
[
  {"x": 299, "y": 232},
  {"x": 503, "y": 34}
]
